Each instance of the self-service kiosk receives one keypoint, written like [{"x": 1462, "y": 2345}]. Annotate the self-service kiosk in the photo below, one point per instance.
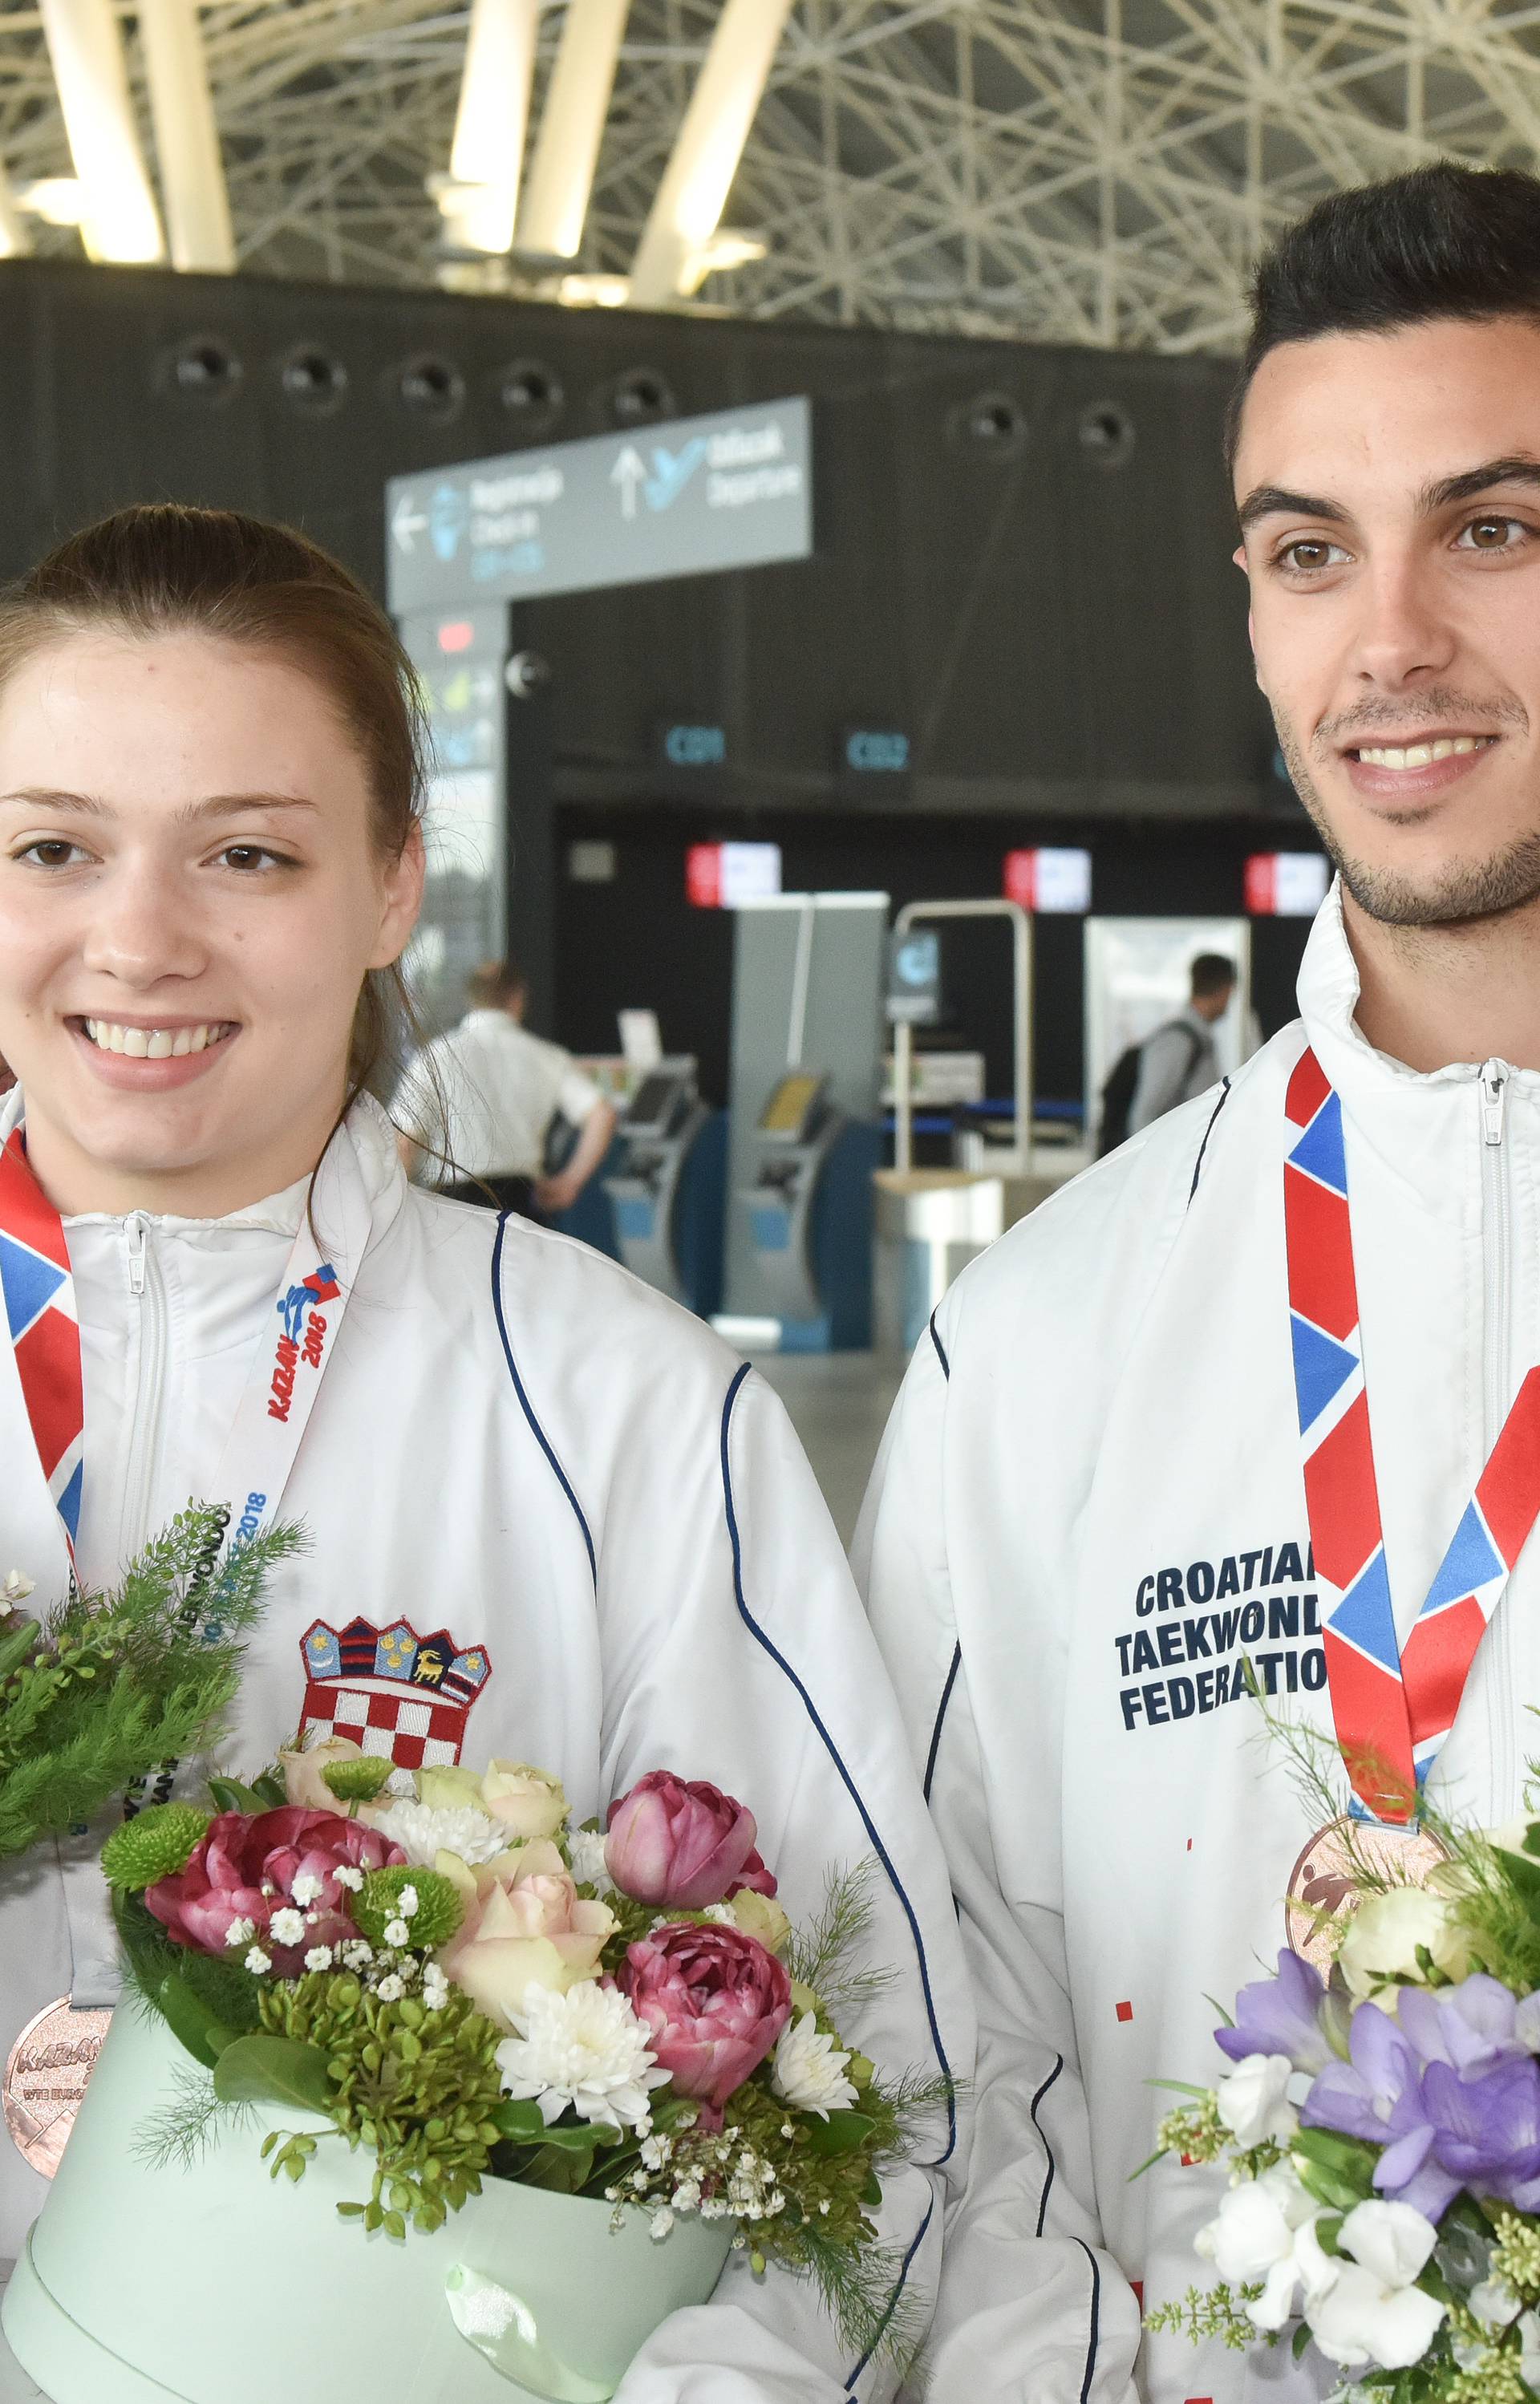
[
  {"x": 806, "y": 1042},
  {"x": 666, "y": 1189}
]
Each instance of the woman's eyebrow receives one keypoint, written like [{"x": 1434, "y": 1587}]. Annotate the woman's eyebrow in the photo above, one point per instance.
[{"x": 191, "y": 813}]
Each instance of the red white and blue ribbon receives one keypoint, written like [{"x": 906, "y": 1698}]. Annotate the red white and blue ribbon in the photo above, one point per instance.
[
  {"x": 38, "y": 1293},
  {"x": 1394, "y": 1705}
]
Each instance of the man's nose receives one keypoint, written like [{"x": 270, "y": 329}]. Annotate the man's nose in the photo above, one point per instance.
[{"x": 1404, "y": 629}]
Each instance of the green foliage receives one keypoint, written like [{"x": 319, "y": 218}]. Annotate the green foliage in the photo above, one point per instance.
[
  {"x": 825, "y": 1956},
  {"x": 156, "y": 1844},
  {"x": 1337, "y": 2171},
  {"x": 1216, "y": 2313},
  {"x": 222, "y": 1984},
  {"x": 263, "y": 2069},
  {"x": 110, "y": 1686},
  {"x": 377, "y": 1903},
  {"x": 420, "y": 2091}
]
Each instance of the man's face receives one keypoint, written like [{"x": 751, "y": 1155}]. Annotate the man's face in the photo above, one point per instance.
[{"x": 1388, "y": 488}]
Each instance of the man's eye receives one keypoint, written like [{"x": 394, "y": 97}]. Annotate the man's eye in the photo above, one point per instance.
[
  {"x": 1309, "y": 554},
  {"x": 1493, "y": 534}
]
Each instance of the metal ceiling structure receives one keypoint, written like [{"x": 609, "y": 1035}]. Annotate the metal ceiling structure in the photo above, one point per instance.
[{"x": 1097, "y": 172}]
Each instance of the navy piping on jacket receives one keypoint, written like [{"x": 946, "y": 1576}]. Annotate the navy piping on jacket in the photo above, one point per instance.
[
  {"x": 892, "y": 2300},
  {"x": 957, "y": 1649},
  {"x": 1096, "y": 2319},
  {"x": 867, "y": 1822},
  {"x": 1048, "y": 2182},
  {"x": 540, "y": 1437},
  {"x": 941, "y": 1714},
  {"x": 1197, "y": 1164}
]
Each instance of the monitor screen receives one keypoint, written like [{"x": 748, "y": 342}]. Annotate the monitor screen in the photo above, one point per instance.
[
  {"x": 789, "y": 1105},
  {"x": 651, "y": 1099}
]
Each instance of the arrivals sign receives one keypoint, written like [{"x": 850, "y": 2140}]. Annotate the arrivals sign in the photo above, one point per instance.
[{"x": 697, "y": 495}]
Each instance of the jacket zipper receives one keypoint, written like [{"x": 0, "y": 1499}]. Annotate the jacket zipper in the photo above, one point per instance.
[
  {"x": 147, "y": 1286},
  {"x": 1494, "y": 1075}
]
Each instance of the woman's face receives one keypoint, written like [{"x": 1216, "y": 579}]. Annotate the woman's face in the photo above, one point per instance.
[{"x": 189, "y": 901}]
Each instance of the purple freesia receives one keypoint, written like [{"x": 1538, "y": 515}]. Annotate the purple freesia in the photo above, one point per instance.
[
  {"x": 1470, "y": 2027},
  {"x": 1486, "y": 2130},
  {"x": 1280, "y": 2015},
  {"x": 1378, "y": 2095}
]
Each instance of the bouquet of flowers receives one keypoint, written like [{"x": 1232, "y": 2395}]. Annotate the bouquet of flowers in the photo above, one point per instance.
[
  {"x": 108, "y": 1687},
  {"x": 467, "y": 1987},
  {"x": 1382, "y": 2128}
]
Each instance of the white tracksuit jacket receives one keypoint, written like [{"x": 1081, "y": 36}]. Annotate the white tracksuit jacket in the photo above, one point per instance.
[
  {"x": 518, "y": 1446},
  {"x": 1089, "y": 1501}
]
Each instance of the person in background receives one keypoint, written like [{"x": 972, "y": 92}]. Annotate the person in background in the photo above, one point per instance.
[
  {"x": 1179, "y": 1060},
  {"x": 500, "y": 1088}
]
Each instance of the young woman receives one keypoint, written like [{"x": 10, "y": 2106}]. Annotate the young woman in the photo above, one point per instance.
[{"x": 550, "y": 1519}]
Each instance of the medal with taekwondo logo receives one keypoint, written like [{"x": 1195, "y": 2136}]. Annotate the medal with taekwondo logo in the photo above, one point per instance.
[{"x": 1392, "y": 1704}]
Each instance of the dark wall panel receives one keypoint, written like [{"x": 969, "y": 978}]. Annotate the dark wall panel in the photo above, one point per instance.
[{"x": 1053, "y": 621}]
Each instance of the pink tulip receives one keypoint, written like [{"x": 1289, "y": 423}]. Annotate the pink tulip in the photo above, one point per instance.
[
  {"x": 714, "y": 2002},
  {"x": 246, "y": 1869},
  {"x": 682, "y": 1843}
]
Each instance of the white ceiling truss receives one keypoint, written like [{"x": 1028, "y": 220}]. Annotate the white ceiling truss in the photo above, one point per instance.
[{"x": 1096, "y": 172}]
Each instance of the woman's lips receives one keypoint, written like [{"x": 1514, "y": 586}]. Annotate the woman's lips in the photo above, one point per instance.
[{"x": 126, "y": 1073}]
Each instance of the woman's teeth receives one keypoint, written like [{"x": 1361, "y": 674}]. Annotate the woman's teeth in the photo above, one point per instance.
[
  {"x": 153, "y": 1042},
  {"x": 1419, "y": 755}
]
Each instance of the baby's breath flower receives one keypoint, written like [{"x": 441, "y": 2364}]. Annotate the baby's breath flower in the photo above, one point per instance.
[
  {"x": 396, "y": 1933},
  {"x": 259, "y": 1963},
  {"x": 319, "y": 1958},
  {"x": 345, "y": 1875},
  {"x": 307, "y": 1889},
  {"x": 240, "y": 1932},
  {"x": 289, "y": 1927},
  {"x": 390, "y": 1989}
]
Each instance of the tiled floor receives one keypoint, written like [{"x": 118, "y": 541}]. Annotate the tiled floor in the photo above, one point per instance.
[{"x": 839, "y": 1404}]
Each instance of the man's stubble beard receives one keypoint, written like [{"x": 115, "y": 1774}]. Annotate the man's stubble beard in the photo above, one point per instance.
[{"x": 1459, "y": 894}]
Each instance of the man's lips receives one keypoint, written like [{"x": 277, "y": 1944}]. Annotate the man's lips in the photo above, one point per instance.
[{"x": 1418, "y": 765}]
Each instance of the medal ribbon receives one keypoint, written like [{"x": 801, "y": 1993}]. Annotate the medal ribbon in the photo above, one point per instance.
[
  {"x": 279, "y": 1394},
  {"x": 1393, "y": 1706}
]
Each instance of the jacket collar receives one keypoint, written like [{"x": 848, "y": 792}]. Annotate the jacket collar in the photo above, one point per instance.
[{"x": 367, "y": 1128}]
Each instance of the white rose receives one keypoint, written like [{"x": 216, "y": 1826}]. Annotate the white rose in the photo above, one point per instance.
[
  {"x": 1253, "y": 2099},
  {"x": 1386, "y": 1934},
  {"x": 1373, "y": 2312}
]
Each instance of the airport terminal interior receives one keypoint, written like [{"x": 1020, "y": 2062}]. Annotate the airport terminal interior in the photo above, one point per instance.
[
  {"x": 786, "y": 434},
  {"x": 787, "y": 438}
]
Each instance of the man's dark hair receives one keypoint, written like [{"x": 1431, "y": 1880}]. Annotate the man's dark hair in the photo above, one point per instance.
[
  {"x": 495, "y": 985},
  {"x": 1212, "y": 974},
  {"x": 1442, "y": 241}
]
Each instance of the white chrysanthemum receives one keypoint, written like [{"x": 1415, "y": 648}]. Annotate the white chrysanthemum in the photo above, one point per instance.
[
  {"x": 586, "y": 2048},
  {"x": 586, "y": 1848},
  {"x": 809, "y": 2070},
  {"x": 423, "y": 1833}
]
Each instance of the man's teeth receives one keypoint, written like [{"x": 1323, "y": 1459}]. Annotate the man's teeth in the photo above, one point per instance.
[
  {"x": 1419, "y": 755},
  {"x": 153, "y": 1043}
]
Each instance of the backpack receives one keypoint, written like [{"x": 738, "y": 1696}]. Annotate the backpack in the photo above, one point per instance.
[{"x": 1117, "y": 1094}]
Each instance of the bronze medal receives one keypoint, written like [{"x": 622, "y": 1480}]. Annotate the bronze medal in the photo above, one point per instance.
[
  {"x": 1324, "y": 1888},
  {"x": 46, "y": 2077}
]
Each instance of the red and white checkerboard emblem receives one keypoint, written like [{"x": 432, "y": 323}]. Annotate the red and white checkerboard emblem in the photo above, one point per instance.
[{"x": 403, "y": 1697}]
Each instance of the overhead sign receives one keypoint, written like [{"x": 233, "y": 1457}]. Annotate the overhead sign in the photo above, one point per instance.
[
  {"x": 725, "y": 875},
  {"x": 699, "y": 494},
  {"x": 1286, "y": 884},
  {"x": 691, "y": 746},
  {"x": 874, "y": 751},
  {"x": 1049, "y": 878}
]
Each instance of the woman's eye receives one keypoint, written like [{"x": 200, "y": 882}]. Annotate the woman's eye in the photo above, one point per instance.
[
  {"x": 1309, "y": 554},
  {"x": 1493, "y": 534},
  {"x": 252, "y": 858},
  {"x": 52, "y": 852}
]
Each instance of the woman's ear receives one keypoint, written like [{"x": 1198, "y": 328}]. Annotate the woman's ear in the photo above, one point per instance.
[{"x": 402, "y": 897}]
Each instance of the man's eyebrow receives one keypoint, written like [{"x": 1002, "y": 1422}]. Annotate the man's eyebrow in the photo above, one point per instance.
[
  {"x": 217, "y": 805},
  {"x": 1273, "y": 500},
  {"x": 1519, "y": 468}
]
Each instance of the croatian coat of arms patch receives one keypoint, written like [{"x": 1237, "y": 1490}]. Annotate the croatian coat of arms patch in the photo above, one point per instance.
[{"x": 404, "y": 1697}]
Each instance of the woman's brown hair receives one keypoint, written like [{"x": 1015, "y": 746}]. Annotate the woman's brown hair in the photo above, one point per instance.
[{"x": 161, "y": 568}]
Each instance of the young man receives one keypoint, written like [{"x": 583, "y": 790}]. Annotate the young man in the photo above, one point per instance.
[
  {"x": 1178, "y": 1062},
  {"x": 1095, "y": 1498}
]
